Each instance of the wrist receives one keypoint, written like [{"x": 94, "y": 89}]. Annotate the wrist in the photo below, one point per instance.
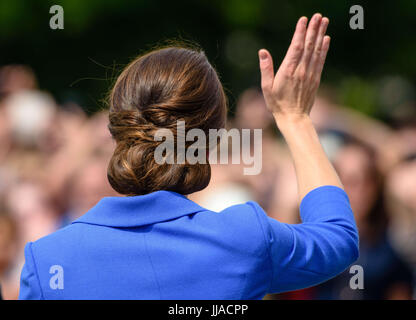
[{"x": 287, "y": 121}]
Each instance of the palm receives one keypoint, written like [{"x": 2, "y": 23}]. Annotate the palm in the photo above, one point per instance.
[{"x": 292, "y": 89}]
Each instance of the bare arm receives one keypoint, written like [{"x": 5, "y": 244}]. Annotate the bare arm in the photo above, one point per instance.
[{"x": 290, "y": 94}]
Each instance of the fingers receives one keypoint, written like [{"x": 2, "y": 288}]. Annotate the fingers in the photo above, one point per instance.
[
  {"x": 266, "y": 69},
  {"x": 294, "y": 53},
  {"x": 306, "y": 53},
  {"x": 322, "y": 56},
  {"x": 316, "y": 54},
  {"x": 310, "y": 40}
]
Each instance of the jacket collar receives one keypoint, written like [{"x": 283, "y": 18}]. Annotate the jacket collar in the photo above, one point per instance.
[{"x": 142, "y": 210}]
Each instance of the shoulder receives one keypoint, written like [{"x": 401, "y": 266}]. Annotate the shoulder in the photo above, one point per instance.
[
  {"x": 62, "y": 241},
  {"x": 59, "y": 235},
  {"x": 38, "y": 255},
  {"x": 244, "y": 225},
  {"x": 249, "y": 217}
]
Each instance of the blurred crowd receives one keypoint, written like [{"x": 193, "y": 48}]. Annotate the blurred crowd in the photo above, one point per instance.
[{"x": 53, "y": 163}]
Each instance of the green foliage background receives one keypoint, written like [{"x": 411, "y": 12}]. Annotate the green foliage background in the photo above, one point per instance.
[{"x": 80, "y": 62}]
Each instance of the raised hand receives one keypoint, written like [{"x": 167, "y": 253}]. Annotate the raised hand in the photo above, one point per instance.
[{"x": 291, "y": 92}]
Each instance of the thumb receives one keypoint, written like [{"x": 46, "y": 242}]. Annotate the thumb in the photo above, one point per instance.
[{"x": 266, "y": 69}]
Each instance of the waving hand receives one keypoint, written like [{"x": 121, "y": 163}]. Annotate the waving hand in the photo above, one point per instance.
[{"x": 291, "y": 91}]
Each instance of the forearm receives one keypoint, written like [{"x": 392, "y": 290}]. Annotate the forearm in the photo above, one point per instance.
[
  {"x": 313, "y": 168},
  {"x": 290, "y": 94}
]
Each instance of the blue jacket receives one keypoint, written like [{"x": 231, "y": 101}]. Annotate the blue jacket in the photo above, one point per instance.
[{"x": 164, "y": 246}]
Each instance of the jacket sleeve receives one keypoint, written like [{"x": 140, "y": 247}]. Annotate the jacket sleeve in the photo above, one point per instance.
[
  {"x": 322, "y": 246},
  {"x": 29, "y": 281}
]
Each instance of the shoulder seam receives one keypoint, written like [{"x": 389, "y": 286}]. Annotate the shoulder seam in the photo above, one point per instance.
[
  {"x": 36, "y": 270},
  {"x": 151, "y": 264},
  {"x": 267, "y": 244}
]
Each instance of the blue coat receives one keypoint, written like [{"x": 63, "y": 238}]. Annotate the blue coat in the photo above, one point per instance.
[{"x": 164, "y": 246}]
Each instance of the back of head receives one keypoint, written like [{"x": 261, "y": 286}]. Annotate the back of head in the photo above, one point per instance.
[{"x": 154, "y": 92}]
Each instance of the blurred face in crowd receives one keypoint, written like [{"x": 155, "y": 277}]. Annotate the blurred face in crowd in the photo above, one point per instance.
[
  {"x": 353, "y": 164},
  {"x": 321, "y": 112},
  {"x": 407, "y": 136},
  {"x": 14, "y": 78},
  {"x": 7, "y": 242},
  {"x": 89, "y": 186},
  {"x": 99, "y": 134},
  {"x": 252, "y": 112},
  {"x": 36, "y": 216},
  {"x": 401, "y": 184}
]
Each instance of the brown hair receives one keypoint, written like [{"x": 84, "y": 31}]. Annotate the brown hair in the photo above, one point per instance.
[{"x": 154, "y": 92}]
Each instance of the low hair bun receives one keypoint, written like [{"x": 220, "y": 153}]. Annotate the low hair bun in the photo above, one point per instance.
[{"x": 154, "y": 92}]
